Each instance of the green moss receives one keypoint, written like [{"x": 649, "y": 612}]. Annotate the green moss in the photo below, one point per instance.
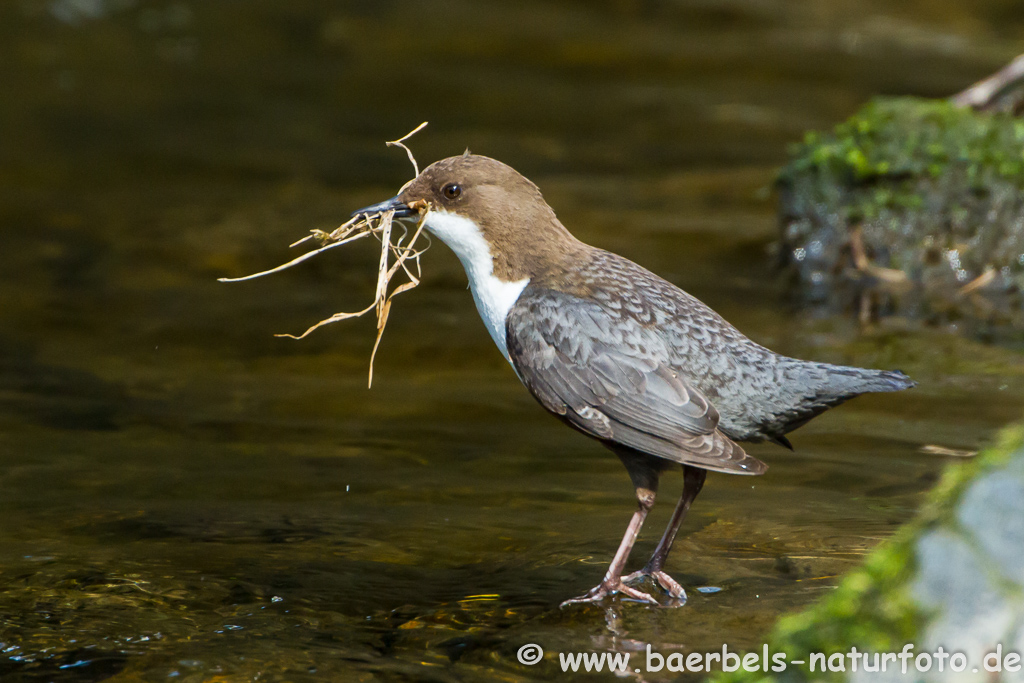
[
  {"x": 871, "y": 607},
  {"x": 936, "y": 191},
  {"x": 902, "y": 137}
]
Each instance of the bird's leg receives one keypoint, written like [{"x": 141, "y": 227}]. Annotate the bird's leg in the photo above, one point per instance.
[
  {"x": 693, "y": 481},
  {"x": 612, "y": 582}
]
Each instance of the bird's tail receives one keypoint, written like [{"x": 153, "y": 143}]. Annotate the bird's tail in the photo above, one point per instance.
[
  {"x": 824, "y": 386},
  {"x": 886, "y": 380},
  {"x": 864, "y": 380}
]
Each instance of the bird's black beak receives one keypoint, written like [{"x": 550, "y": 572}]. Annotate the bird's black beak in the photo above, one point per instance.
[{"x": 395, "y": 204}]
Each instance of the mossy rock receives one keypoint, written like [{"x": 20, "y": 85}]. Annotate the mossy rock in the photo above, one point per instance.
[
  {"x": 954, "y": 577},
  {"x": 911, "y": 208}
]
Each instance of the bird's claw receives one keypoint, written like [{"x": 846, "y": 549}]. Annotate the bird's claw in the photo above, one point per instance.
[
  {"x": 604, "y": 590},
  {"x": 670, "y": 585}
]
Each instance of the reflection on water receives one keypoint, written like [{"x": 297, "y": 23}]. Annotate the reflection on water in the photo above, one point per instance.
[{"x": 183, "y": 495}]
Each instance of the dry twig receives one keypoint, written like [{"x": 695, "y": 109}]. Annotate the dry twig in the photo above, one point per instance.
[
  {"x": 1002, "y": 91},
  {"x": 405, "y": 254},
  {"x": 934, "y": 449}
]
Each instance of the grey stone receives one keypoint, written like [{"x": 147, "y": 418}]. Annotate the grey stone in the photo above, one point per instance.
[
  {"x": 971, "y": 615},
  {"x": 993, "y": 511}
]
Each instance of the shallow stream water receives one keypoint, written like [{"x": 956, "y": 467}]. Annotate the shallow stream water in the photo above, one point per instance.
[{"x": 184, "y": 496}]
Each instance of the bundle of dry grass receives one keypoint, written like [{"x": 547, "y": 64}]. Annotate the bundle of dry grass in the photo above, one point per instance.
[{"x": 398, "y": 254}]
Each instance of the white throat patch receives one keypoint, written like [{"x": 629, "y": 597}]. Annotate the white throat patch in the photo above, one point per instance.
[{"x": 494, "y": 297}]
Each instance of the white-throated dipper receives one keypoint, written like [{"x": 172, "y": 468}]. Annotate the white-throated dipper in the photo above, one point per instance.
[{"x": 617, "y": 352}]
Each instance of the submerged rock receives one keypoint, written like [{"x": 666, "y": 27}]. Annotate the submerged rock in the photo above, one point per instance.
[
  {"x": 911, "y": 208},
  {"x": 948, "y": 586}
]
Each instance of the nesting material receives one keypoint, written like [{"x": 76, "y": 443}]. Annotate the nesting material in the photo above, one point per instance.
[{"x": 399, "y": 254}]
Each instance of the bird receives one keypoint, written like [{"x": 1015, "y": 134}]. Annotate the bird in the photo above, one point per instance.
[{"x": 617, "y": 352}]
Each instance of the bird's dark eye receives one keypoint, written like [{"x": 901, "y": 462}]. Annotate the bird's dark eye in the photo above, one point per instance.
[{"x": 452, "y": 191}]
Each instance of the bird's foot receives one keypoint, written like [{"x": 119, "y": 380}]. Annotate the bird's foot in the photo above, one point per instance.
[
  {"x": 606, "y": 589},
  {"x": 670, "y": 585}
]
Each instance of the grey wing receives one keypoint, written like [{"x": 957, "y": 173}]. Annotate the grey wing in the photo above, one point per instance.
[{"x": 609, "y": 376}]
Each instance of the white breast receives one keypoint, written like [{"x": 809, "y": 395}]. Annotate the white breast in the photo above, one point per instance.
[{"x": 494, "y": 297}]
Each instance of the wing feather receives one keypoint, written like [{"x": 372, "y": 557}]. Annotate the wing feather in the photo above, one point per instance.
[{"x": 611, "y": 377}]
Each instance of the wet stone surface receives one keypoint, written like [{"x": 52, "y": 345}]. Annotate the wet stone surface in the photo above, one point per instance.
[
  {"x": 947, "y": 585},
  {"x": 970, "y": 575},
  {"x": 912, "y": 209}
]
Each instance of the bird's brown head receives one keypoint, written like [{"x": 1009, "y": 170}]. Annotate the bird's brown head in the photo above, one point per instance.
[{"x": 484, "y": 209}]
